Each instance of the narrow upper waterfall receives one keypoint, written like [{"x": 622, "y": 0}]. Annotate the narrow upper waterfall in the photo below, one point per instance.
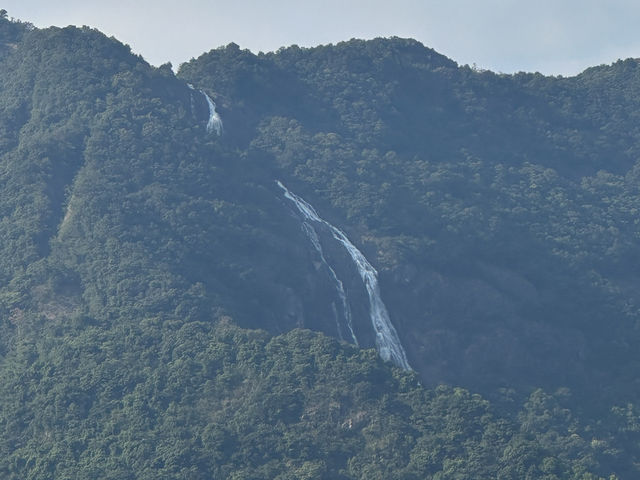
[
  {"x": 387, "y": 340},
  {"x": 214, "y": 122}
]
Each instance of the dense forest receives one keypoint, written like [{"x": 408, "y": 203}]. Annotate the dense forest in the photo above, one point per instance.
[{"x": 168, "y": 312}]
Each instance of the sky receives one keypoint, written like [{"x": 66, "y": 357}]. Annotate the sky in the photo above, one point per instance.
[{"x": 554, "y": 37}]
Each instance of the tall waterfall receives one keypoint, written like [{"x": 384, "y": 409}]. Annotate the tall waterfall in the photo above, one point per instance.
[
  {"x": 387, "y": 340},
  {"x": 214, "y": 122}
]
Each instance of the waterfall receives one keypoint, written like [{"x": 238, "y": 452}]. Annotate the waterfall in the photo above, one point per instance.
[
  {"x": 214, "y": 122},
  {"x": 387, "y": 340},
  {"x": 312, "y": 235}
]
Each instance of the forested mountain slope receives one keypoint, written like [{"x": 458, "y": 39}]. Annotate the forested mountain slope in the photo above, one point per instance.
[
  {"x": 500, "y": 210},
  {"x": 500, "y": 213}
]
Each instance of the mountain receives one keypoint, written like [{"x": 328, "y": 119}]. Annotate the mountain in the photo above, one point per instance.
[
  {"x": 178, "y": 302},
  {"x": 499, "y": 210}
]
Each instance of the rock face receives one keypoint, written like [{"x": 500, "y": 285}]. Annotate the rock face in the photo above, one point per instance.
[{"x": 479, "y": 330}]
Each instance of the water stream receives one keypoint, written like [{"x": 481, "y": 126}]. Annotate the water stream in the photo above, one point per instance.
[
  {"x": 387, "y": 341},
  {"x": 215, "y": 122},
  {"x": 312, "y": 235}
]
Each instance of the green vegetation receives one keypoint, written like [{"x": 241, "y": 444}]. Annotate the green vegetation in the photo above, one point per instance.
[
  {"x": 153, "y": 280},
  {"x": 501, "y": 210},
  {"x": 209, "y": 401}
]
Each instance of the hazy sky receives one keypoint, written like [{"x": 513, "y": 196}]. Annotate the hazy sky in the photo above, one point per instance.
[{"x": 550, "y": 36}]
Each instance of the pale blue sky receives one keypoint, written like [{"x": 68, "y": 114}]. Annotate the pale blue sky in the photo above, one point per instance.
[{"x": 550, "y": 36}]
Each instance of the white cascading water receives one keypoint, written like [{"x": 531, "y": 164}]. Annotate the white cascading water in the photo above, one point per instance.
[
  {"x": 387, "y": 340},
  {"x": 315, "y": 241},
  {"x": 214, "y": 122}
]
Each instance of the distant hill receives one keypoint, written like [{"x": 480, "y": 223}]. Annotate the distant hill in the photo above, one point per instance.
[{"x": 157, "y": 285}]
